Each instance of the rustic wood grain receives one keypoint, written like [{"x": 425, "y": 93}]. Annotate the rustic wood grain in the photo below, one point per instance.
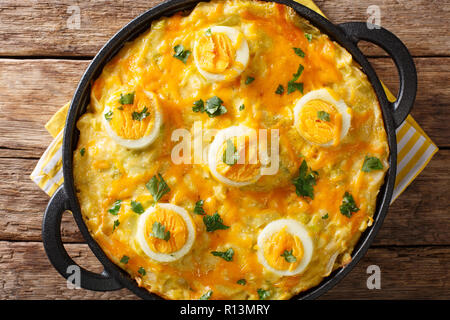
[
  {"x": 418, "y": 217},
  {"x": 43, "y": 28},
  {"x": 406, "y": 273}
]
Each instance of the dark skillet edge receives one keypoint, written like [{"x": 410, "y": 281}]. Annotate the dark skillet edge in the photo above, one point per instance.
[{"x": 140, "y": 24}]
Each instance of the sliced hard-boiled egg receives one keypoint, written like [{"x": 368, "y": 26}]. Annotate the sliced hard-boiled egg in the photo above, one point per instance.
[
  {"x": 132, "y": 118},
  {"x": 321, "y": 119},
  {"x": 165, "y": 232},
  {"x": 233, "y": 156},
  {"x": 285, "y": 247},
  {"x": 221, "y": 53}
]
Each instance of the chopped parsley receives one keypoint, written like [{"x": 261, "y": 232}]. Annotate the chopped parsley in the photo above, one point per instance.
[
  {"x": 230, "y": 155},
  {"x": 322, "y": 115},
  {"x": 225, "y": 255},
  {"x": 263, "y": 294},
  {"x": 127, "y": 98},
  {"x": 124, "y": 259},
  {"x": 242, "y": 282},
  {"x": 198, "y": 209},
  {"x": 116, "y": 224},
  {"x": 308, "y": 36},
  {"x": 137, "y": 207},
  {"x": 305, "y": 182},
  {"x": 139, "y": 116},
  {"x": 280, "y": 90},
  {"x": 214, "y": 223},
  {"x": 348, "y": 205},
  {"x": 199, "y": 106},
  {"x": 371, "y": 163},
  {"x": 108, "y": 115},
  {"x": 157, "y": 188},
  {"x": 159, "y": 231},
  {"x": 180, "y": 53},
  {"x": 142, "y": 271},
  {"x": 241, "y": 107},
  {"x": 115, "y": 208},
  {"x": 292, "y": 85},
  {"x": 249, "y": 80},
  {"x": 288, "y": 256},
  {"x": 299, "y": 52},
  {"x": 325, "y": 216},
  {"x": 82, "y": 151},
  {"x": 214, "y": 107},
  {"x": 208, "y": 32},
  {"x": 206, "y": 296}
]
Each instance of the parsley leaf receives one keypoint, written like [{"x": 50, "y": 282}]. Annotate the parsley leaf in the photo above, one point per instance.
[
  {"x": 206, "y": 296},
  {"x": 127, "y": 98},
  {"x": 242, "y": 282},
  {"x": 198, "y": 209},
  {"x": 241, "y": 107},
  {"x": 308, "y": 36},
  {"x": 82, "y": 151},
  {"x": 214, "y": 107},
  {"x": 322, "y": 115},
  {"x": 180, "y": 53},
  {"x": 157, "y": 188},
  {"x": 263, "y": 294},
  {"x": 288, "y": 256},
  {"x": 280, "y": 90},
  {"x": 230, "y": 155},
  {"x": 137, "y": 207},
  {"x": 116, "y": 224},
  {"x": 124, "y": 259},
  {"x": 371, "y": 163},
  {"x": 299, "y": 52},
  {"x": 292, "y": 85},
  {"x": 140, "y": 115},
  {"x": 208, "y": 32},
  {"x": 249, "y": 80},
  {"x": 305, "y": 182},
  {"x": 142, "y": 271},
  {"x": 199, "y": 106},
  {"x": 108, "y": 115},
  {"x": 325, "y": 216},
  {"x": 214, "y": 223},
  {"x": 225, "y": 255},
  {"x": 115, "y": 208},
  {"x": 298, "y": 73},
  {"x": 348, "y": 205},
  {"x": 159, "y": 231}
]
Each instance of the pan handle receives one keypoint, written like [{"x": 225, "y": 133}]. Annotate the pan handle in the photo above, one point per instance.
[
  {"x": 57, "y": 254},
  {"x": 385, "y": 39}
]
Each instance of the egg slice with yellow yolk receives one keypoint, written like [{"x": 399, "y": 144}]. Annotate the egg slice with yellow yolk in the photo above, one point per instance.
[
  {"x": 233, "y": 156},
  {"x": 221, "y": 53},
  {"x": 321, "y": 119},
  {"x": 134, "y": 125},
  {"x": 165, "y": 232},
  {"x": 285, "y": 247}
]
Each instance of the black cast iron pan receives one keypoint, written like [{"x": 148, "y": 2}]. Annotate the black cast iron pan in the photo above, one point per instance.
[{"x": 347, "y": 35}]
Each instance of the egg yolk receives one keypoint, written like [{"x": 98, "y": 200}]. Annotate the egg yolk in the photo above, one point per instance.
[
  {"x": 317, "y": 130},
  {"x": 281, "y": 248},
  {"x": 134, "y": 121},
  {"x": 173, "y": 223},
  {"x": 238, "y": 160},
  {"x": 215, "y": 53}
]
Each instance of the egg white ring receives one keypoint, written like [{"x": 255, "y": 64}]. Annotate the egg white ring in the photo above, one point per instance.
[
  {"x": 219, "y": 140},
  {"x": 323, "y": 94},
  {"x": 294, "y": 228},
  {"x": 165, "y": 257},
  {"x": 242, "y": 53},
  {"x": 134, "y": 143}
]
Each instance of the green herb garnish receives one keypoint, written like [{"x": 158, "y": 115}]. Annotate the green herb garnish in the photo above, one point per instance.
[
  {"x": 348, "y": 205},
  {"x": 116, "y": 224},
  {"x": 230, "y": 155},
  {"x": 242, "y": 282},
  {"x": 214, "y": 107},
  {"x": 139, "y": 116},
  {"x": 299, "y": 52},
  {"x": 208, "y": 32},
  {"x": 142, "y": 271},
  {"x": 157, "y": 188},
  {"x": 280, "y": 90},
  {"x": 159, "y": 231},
  {"x": 305, "y": 182},
  {"x": 124, "y": 259},
  {"x": 288, "y": 256},
  {"x": 127, "y": 98},
  {"x": 137, "y": 207},
  {"x": 308, "y": 36},
  {"x": 199, "y": 106},
  {"x": 325, "y": 216},
  {"x": 180, "y": 53},
  {"x": 82, "y": 151},
  {"x": 322, "y": 115},
  {"x": 371, "y": 163},
  {"x": 206, "y": 296},
  {"x": 115, "y": 208},
  {"x": 198, "y": 209},
  {"x": 214, "y": 223},
  {"x": 263, "y": 294},
  {"x": 241, "y": 107},
  {"x": 292, "y": 85},
  {"x": 108, "y": 115},
  {"x": 225, "y": 255},
  {"x": 249, "y": 80}
]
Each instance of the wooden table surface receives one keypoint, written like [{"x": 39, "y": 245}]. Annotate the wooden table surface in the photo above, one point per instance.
[{"x": 41, "y": 61}]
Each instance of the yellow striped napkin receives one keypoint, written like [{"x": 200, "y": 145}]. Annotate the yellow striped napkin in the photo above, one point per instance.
[{"x": 415, "y": 149}]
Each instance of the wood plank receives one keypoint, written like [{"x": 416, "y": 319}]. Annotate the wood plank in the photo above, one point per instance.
[
  {"x": 406, "y": 273},
  {"x": 418, "y": 217},
  {"x": 45, "y": 85},
  {"x": 44, "y": 28}
]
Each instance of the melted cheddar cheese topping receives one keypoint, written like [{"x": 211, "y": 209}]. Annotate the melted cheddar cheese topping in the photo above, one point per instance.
[{"x": 122, "y": 197}]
